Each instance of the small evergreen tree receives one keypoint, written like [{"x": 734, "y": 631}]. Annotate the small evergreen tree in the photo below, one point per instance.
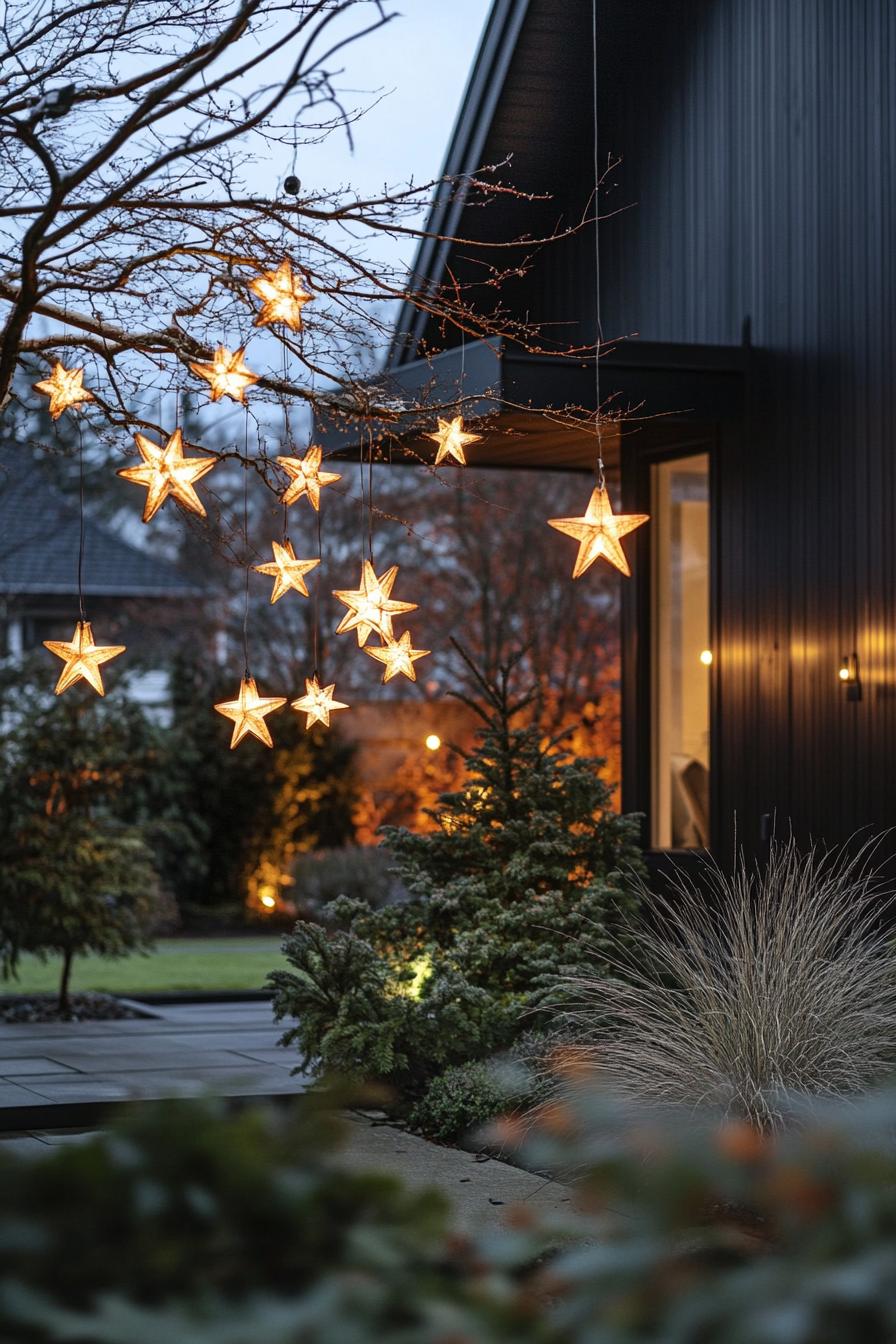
[
  {"x": 522, "y": 881},
  {"x": 527, "y": 862},
  {"x": 75, "y": 873}
]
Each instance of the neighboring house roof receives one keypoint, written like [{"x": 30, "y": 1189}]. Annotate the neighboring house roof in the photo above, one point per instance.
[{"x": 39, "y": 535}]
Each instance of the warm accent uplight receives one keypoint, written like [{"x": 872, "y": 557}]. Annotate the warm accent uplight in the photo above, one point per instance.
[
  {"x": 433, "y": 742},
  {"x": 706, "y": 657},
  {"x": 267, "y": 900}
]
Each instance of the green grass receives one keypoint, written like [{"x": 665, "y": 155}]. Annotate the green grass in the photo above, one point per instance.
[{"x": 176, "y": 964}]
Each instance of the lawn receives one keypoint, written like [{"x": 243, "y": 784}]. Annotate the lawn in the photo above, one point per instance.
[{"x": 176, "y": 964}]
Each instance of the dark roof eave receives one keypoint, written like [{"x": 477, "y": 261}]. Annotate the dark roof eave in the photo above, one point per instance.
[{"x": 463, "y": 156}]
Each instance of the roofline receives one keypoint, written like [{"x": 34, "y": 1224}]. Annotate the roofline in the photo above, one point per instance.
[
  {"x": 97, "y": 590},
  {"x": 464, "y": 155}
]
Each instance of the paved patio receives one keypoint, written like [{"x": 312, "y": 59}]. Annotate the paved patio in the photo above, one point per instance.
[{"x": 67, "y": 1074}]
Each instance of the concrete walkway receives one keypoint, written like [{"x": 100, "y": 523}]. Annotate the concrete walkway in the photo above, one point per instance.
[{"x": 66, "y": 1074}]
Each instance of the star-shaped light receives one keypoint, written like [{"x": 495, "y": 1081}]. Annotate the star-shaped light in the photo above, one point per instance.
[
  {"x": 286, "y": 571},
  {"x": 165, "y": 471},
  {"x": 82, "y": 658},
  {"x": 317, "y": 702},
  {"x": 598, "y": 532},
  {"x": 226, "y": 374},
  {"x": 64, "y": 388},
  {"x": 283, "y": 297},
  {"x": 371, "y": 607},
  {"x": 248, "y": 712},
  {"x": 452, "y": 439},
  {"x": 396, "y": 655},
  {"x": 306, "y": 477}
]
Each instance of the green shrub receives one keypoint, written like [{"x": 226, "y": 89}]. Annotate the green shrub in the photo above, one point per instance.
[
  {"x": 464, "y": 1098},
  {"x": 359, "y": 872},
  {"x": 358, "y": 1018}
]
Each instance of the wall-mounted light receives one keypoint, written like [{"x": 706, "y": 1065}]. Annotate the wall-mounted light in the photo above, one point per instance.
[
  {"x": 706, "y": 657},
  {"x": 433, "y": 742},
  {"x": 849, "y": 676}
]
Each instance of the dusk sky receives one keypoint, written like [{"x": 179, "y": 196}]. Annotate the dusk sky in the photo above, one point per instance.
[{"x": 419, "y": 63}]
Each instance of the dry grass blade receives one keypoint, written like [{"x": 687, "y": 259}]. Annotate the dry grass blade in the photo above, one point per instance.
[{"x": 737, "y": 990}]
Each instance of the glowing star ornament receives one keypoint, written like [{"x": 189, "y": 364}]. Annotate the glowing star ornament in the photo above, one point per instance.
[
  {"x": 598, "y": 532},
  {"x": 286, "y": 571},
  {"x": 452, "y": 439},
  {"x": 397, "y": 656},
  {"x": 226, "y": 374},
  {"x": 82, "y": 658},
  {"x": 306, "y": 477},
  {"x": 165, "y": 471},
  {"x": 371, "y": 607},
  {"x": 248, "y": 713},
  {"x": 283, "y": 297},
  {"x": 65, "y": 388},
  {"x": 317, "y": 703}
]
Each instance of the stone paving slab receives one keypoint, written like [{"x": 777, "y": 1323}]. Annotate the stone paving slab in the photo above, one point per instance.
[
  {"x": 62, "y": 1074},
  {"x": 483, "y": 1193}
]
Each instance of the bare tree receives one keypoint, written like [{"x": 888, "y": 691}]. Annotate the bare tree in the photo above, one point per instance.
[{"x": 129, "y": 232}]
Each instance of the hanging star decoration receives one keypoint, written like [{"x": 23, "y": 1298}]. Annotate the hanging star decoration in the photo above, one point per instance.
[
  {"x": 82, "y": 658},
  {"x": 397, "y": 656},
  {"x": 248, "y": 713},
  {"x": 371, "y": 607},
  {"x": 165, "y": 471},
  {"x": 452, "y": 439},
  {"x": 306, "y": 477},
  {"x": 65, "y": 388},
  {"x": 283, "y": 297},
  {"x": 226, "y": 374},
  {"x": 598, "y": 532},
  {"x": 317, "y": 703},
  {"x": 286, "y": 571}
]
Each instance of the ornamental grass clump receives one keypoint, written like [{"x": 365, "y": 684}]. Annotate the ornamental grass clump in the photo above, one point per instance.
[{"x": 737, "y": 991}]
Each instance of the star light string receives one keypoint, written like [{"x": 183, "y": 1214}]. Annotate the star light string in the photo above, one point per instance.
[
  {"x": 397, "y": 656},
  {"x": 249, "y": 710},
  {"x": 65, "y": 388},
  {"x": 164, "y": 472},
  {"x": 598, "y": 530},
  {"x": 81, "y": 655},
  {"x": 226, "y": 374},
  {"x": 283, "y": 297}
]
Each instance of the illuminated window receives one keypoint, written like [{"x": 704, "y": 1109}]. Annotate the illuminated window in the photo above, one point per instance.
[{"x": 681, "y": 653}]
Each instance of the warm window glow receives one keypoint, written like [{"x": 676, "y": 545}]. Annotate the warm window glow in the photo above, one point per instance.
[{"x": 433, "y": 741}]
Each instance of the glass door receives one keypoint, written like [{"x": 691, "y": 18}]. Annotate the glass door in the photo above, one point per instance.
[{"x": 681, "y": 653}]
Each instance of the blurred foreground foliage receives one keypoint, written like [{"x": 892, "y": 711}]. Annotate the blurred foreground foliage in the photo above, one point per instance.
[{"x": 189, "y": 1223}]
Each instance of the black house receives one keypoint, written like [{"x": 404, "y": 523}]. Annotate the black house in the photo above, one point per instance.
[{"x": 753, "y": 278}]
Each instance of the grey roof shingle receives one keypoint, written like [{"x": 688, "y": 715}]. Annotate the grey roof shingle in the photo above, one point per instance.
[{"x": 39, "y": 531}]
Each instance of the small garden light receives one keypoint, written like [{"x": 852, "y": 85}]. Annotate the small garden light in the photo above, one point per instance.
[{"x": 849, "y": 676}]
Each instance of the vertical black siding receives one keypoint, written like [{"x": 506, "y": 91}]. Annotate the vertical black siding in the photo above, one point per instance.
[{"x": 757, "y": 139}]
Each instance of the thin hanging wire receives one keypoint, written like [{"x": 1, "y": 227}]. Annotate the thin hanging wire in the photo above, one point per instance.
[
  {"x": 315, "y": 627},
  {"x": 247, "y": 673},
  {"x": 82, "y": 615},
  {"x": 370, "y": 493},
  {"x": 598, "y": 332}
]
